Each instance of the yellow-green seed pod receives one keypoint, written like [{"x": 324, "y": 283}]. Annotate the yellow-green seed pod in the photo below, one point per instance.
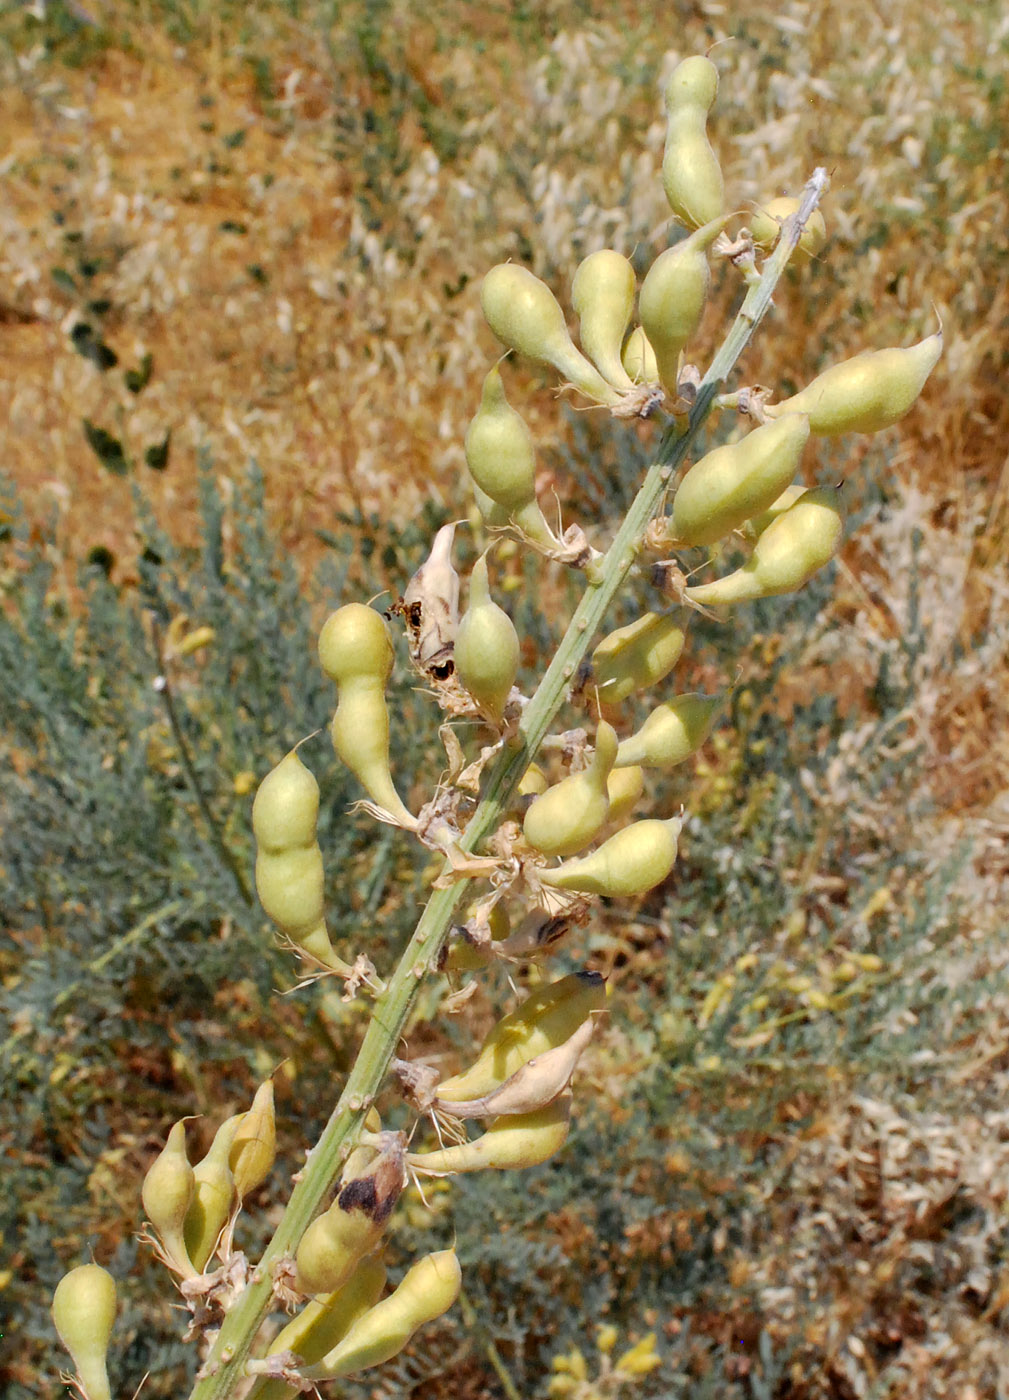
[
  {"x": 788, "y": 553},
  {"x": 428, "y": 1290},
  {"x": 325, "y": 1321},
  {"x": 499, "y": 449},
  {"x": 638, "y": 358},
  {"x": 336, "y": 1241},
  {"x": 636, "y": 656},
  {"x": 494, "y": 517},
  {"x": 166, "y": 1194},
  {"x": 213, "y": 1196},
  {"x": 487, "y": 647},
  {"x": 691, "y": 175},
  {"x": 525, "y": 315},
  {"x": 869, "y": 392},
  {"x": 512, "y": 1142},
  {"x": 253, "y": 1149},
  {"x": 765, "y": 226},
  {"x": 354, "y": 645},
  {"x": 547, "y": 1018},
  {"x": 625, "y": 786},
  {"x": 672, "y": 732},
  {"x": 602, "y": 295},
  {"x": 736, "y": 481},
  {"x": 757, "y": 524},
  {"x": 566, "y": 818},
  {"x": 632, "y": 862},
  {"x": 533, "y": 782},
  {"x": 356, "y": 653},
  {"x": 672, "y": 299},
  {"x": 84, "y": 1313},
  {"x": 466, "y": 956},
  {"x": 289, "y": 873}
]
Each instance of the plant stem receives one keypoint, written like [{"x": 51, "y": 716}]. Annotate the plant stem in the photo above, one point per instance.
[
  {"x": 223, "y": 1370},
  {"x": 164, "y": 688}
]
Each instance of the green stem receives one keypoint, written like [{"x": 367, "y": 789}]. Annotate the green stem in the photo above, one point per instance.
[{"x": 224, "y": 1368}]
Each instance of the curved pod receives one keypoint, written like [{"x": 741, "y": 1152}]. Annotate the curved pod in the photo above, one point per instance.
[
  {"x": 671, "y": 733},
  {"x": 84, "y": 1313},
  {"x": 632, "y": 862},
  {"x": 672, "y": 298},
  {"x": 565, "y": 818},
  {"x": 691, "y": 175},
  {"x": 602, "y": 294},
  {"x": 634, "y": 657}
]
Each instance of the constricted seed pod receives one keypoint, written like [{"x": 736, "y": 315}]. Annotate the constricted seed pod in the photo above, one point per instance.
[
  {"x": 788, "y": 553},
  {"x": 757, "y": 524},
  {"x": 737, "y": 481},
  {"x": 166, "y": 1194},
  {"x": 547, "y": 1018},
  {"x": 356, "y": 653},
  {"x": 213, "y": 1196},
  {"x": 636, "y": 656},
  {"x": 509, "y": 1144},
  {"x": 540, "y": 1080},
  {"x": 84, "y": 1313},
  {"x": 336, "y": 1241},
  {"x": 324, "y": 1322},
  {"x": 525, "y": 315},
  {"x": 672, "y": 298},
  {"x": 289, "y": 873},
  {"x": 691, "y": 175},
  {"x": 638, "y": 358},
  {"x": 354, "y": 645},
  {"x": 565, "y": 818},
  {"x": 499, "y": 449},
  {"x": 765, "y": 226},
  {"x": 253, "y": 1149},
  {"x": 632, "y": 862},
  {"x": 427, "y": 1291},
  {"x": 869, "y": 392},
  {"x": 602, "y": 294},
  {"x": 487, "y": 648},
  {"x": 624, "y": 786},
  {"x": 672, "y": 732}
]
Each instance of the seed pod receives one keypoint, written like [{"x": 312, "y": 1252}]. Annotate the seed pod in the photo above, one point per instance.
[
  {"x": 567, "y": 816},
  {"x": 691, "y": 175},
  {"x": 356, "y": 653},
  {"x": 736, "y": 481},
  {"x": 84, "y": 1313},
  {"x": 469, "y": 953},
  {"x": 869, "y": 392},
  {"x": 547, "y": 1018},
  {"x": 253, "y": 1149},
  {"x": 486, "y": 647},
  {"x": 624, "y": 786},
  {"x": 495, "y": 517},
  {"x": 289, "y": 874},
  {"x": 325, "y": 1321},
  {"x": 672, "y": 732},
  {"x": 499, "y": 449},
  {"x": 354, "y": 645},
  {"x": 672, "y": 298},
  {"x": 525, "y": 315},
  {"x": 639, "y": 360},
  {"x": 337, "y": 1240},
  {"x": 757, "y": 524},
  {"x": 765, "y": 226},
  {"x": 636, "y": 656},
  {"x": 540, "y": 1080},
  {"x": 533, "y": 782},
  {"x": 427, "y": 1291},
  {"x": 602, "y": 294},
  {"x": 510, "y": 1143},
  {"x": 166, "y": 1194},
  {"x": 430, "y": 608},
  {"x": 633, "y": 861},
  {"x": 213, "y": 1196},
  {"x": 788, "y": 553}
]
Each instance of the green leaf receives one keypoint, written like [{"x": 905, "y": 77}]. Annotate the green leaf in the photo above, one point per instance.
[
  {"x": 63, "y": 280},
  {"x": 156, "y": 456},
  {"x": 108, "y": 449},
  {"x": 92, "y": 348},
  {"x": 137, "y": 380}
]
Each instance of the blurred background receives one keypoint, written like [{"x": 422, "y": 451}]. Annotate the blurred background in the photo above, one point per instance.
[{"x": 240, "y": 343}]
